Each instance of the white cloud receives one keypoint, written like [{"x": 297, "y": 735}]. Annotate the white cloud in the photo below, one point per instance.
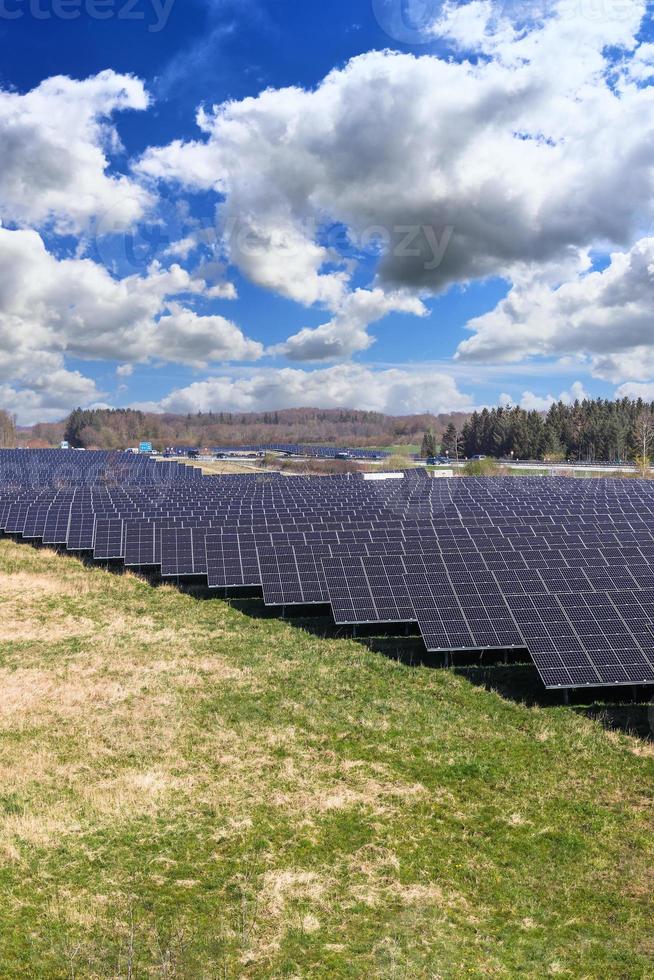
[
  {"x": 636, "y": 389},
  {"x": 74, "y": 306},
  {"x": 536, "y": 403},
  {"x": 605, "y": 316},
  {"x": 221, "y": 290},
  {"x": 518, "y": 162},
  {"x": 124, "y": 370},
  {"x": 346, "y": 333},
  {"x": 182, "y": 248},
  {"x": 540, "y": 403},
  {"x": 395, "y": 390},
  {"x": 640, "y": 68},
  {"x": 276, "y": 254},
  {"x": 184, "y": 334},
  {"x": 39, "y": 388},
  {"x": 544, "y": 33},
  {"x": 501, "y": 165},
  {"x": 54, "y": 146}
]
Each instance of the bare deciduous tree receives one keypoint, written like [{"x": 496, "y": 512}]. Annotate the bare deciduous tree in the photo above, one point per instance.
[
  {"x": 7, "y": 430},
  {"x": 644, "y": 437}
]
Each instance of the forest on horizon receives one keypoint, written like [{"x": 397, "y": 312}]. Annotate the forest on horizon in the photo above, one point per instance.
[
  {"x": 122, "y": 428},
  {"x": 593, "y": 429}
]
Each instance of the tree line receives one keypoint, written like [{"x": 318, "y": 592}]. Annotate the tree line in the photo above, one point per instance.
[
  {"x": 584, "y": 431},
  {"x": 121, "y": 428}
]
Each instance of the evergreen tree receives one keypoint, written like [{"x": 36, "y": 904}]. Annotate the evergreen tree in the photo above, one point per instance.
[
  {"x": 587, "y": 430},
  {"x": 429, "y": 445}
]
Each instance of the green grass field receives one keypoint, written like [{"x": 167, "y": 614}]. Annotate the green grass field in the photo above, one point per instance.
[
  {"x": 191, "y": 790},
  {"x": 400, "y": 449}
]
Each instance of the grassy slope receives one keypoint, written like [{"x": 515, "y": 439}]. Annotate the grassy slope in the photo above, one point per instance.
[{"x": 190, "y": 792}]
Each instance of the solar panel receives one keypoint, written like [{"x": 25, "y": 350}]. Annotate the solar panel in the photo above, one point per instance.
[
  {"x": 36, "y": 518},
  {"x": 367, "y": 589},
  {"x": 564, "y": 568},
  {"x": 183, "y": 551},
  {"x": 108, "y": 542},
  {"x": 81, "y": 530},
  {"x": 231, "y": 560},
  {"x": 141, "y": 543},
  {"x": 55, "y": 530}
]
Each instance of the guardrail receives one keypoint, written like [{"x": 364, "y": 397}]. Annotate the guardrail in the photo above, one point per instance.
[{"x": 540, "y": 463}]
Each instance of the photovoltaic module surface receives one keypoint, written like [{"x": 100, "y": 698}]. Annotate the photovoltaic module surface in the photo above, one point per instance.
[{"x": 561, "y": 568}]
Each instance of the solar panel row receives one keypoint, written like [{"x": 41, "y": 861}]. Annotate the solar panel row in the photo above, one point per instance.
[
  {"x": 67, "y": 468},
  {"x": 562, "y": 568}
]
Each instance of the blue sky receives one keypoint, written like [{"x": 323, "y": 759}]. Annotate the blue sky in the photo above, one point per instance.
[{"x": 401, "y": 205}]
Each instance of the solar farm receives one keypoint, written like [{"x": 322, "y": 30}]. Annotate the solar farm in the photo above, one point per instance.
[
  {"x": 198, "y": 788},
  {"x": 559, "y": 568}
]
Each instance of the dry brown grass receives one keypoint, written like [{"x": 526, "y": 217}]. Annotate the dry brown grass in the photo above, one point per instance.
[
  {"x": 219, "y": 466},
  {"x": 112, "y": 697},
  {"x": 24, "y": 586}
]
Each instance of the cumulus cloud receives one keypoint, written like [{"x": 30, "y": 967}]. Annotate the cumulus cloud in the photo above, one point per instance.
[
  {"x": 606, "y": 316},
  {"x": 346, "y": 333},
  {"x": 399, "y": 391},
  {"x": 529, "y": 151},
  {"x": 55, "y": 143},
  {"x": 466, "y": 168},
  {"x": 37, "y": 386},
  {"x": 636, "y": 389},
  {"x": 74, "y": 306},
  {"x": 182, "y": 333},
  {"x": 182, "y": 248},
  {"x": 275, "y": 254},
  {"x": 640, "y": 68},
  {"x": 540, "y": 403}
]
